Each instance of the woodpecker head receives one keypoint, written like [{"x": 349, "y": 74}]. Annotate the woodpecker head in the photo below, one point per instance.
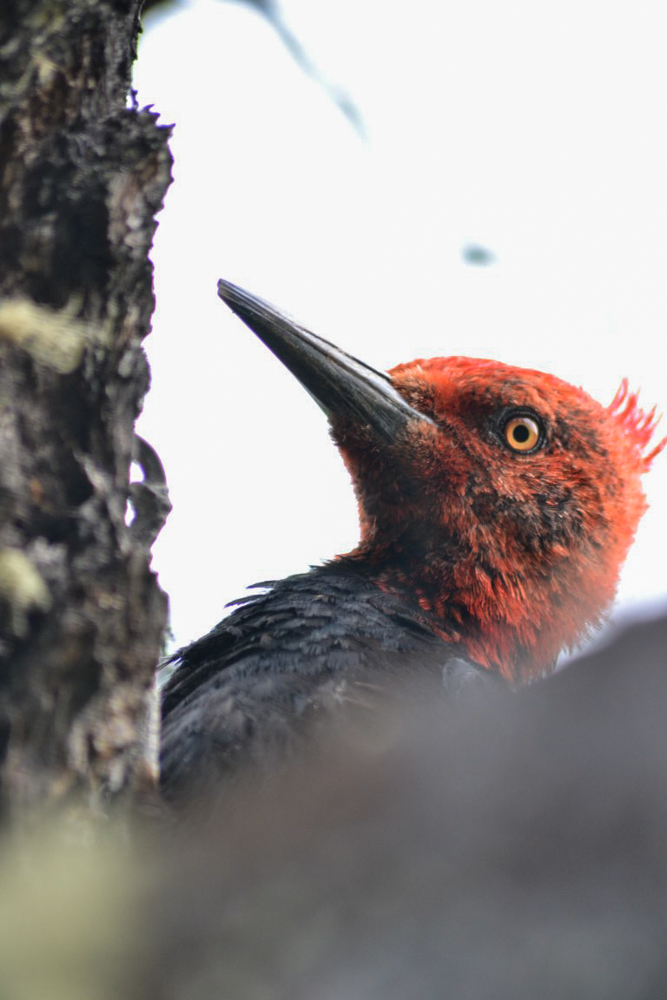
[{"x": 502, "y": 500}]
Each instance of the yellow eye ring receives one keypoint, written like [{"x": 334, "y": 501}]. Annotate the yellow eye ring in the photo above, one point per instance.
[{"x": 522, "y": 433}]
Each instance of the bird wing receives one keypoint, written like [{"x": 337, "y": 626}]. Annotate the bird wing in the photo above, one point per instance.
[{"x": 322, "y": 645}]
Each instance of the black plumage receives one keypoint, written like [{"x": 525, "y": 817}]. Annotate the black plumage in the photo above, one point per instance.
[{"x": 325, "y": 641}]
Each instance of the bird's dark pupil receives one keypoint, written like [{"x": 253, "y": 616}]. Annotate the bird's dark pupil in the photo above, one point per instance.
[{"x": 521, "y": 433}]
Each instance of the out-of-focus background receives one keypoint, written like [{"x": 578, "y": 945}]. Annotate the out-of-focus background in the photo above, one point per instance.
[{"x": 483, "y": 178}]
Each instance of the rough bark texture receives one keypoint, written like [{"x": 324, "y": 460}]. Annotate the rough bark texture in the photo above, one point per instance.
[{"x": 81, "y": 615}]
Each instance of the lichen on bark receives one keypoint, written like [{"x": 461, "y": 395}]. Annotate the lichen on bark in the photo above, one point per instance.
[{"x": 82, "y": 617}]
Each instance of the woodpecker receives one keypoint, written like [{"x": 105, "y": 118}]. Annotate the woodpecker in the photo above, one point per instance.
[{"x": 496, "y": 508}]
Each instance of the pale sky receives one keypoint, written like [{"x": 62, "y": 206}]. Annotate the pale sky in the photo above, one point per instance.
[{"x": 535, "y": 129}]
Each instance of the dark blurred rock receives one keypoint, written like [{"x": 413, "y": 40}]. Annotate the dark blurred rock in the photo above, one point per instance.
[{"x": 514, "y": 848}]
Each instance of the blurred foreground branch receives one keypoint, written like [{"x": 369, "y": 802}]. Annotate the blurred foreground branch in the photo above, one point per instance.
[{"x": 510, "y": 848}]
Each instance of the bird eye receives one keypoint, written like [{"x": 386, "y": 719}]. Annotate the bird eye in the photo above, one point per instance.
[{"x": 522, "y": 433}]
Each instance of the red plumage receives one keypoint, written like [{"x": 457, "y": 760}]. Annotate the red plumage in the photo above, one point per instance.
[{"x": 534, "y": 542}]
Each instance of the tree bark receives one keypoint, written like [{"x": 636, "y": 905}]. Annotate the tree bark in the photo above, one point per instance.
[{"x": 81, "y": 615}]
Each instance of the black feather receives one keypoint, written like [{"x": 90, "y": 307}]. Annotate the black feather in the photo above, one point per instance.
[{"x": 256, "y": 685}]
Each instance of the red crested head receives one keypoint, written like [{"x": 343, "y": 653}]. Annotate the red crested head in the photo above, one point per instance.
[
  {"x": 510, "y": 511},
  {"x": 502, "y": 500}
]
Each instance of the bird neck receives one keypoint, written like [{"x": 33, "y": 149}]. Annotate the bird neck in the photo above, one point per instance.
[{"x": 504, "y": 621}]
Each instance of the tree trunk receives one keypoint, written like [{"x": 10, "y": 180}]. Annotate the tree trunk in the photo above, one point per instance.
[{"x": 81, "y": 615}]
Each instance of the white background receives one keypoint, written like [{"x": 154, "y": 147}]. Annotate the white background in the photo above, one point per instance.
[{"x": 535, "y": 129}]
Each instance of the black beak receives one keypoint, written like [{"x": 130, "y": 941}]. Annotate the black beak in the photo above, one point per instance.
[{"x": 349, "y": 391}]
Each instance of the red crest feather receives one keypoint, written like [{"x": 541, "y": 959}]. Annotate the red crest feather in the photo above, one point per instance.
[{"x": 638, "y": 424}]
